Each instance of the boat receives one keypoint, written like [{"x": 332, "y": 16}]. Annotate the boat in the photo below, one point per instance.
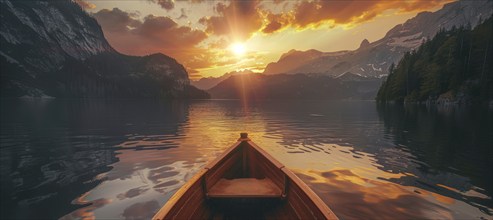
[{"x": 245, "y": 182}]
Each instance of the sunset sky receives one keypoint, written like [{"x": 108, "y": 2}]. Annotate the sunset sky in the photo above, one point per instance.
[{"x": 211, "y": 38}]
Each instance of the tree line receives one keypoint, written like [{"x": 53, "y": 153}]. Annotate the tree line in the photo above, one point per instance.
[{"x": 456, "y": 64}]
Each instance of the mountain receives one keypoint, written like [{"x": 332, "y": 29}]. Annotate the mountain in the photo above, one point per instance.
[
  {"x": 209, "y": 82},
  {"x": 454, "y": 67},
  {"x": 294, "y": 86},
  {"x": 373, "y": 59},
  {"x": 292, "y": 60},
  {"x": 55, "y": 49}
]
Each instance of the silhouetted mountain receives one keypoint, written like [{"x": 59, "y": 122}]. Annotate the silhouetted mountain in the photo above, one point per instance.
[
  {"x": 364, "y": 44},
  {"x": 373, "y": 59},
  {"x": 294, "y": 86},
  {"x": 455, "y": 66},
  {"x": 54, "y": 48},
  {"x": 292, "y": 60},
  {"x": 209, "y": 82}
]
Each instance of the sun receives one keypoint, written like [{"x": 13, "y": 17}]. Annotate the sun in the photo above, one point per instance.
[{"x": 238, "y": 49}]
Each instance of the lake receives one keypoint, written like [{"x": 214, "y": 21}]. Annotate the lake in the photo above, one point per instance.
[{"x": 125, "y": 158}]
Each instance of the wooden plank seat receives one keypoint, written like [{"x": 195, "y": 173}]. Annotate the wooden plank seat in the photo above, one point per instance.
[{"x": 245, "y": 188}]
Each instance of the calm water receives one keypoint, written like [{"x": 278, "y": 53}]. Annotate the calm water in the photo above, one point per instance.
[{"x": 124, "y": 159}]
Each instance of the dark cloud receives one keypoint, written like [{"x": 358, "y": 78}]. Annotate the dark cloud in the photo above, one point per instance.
[
  {"x": 170, "y": 4},
  {"x": 166, "y": 4},
  {"x": 275, "y": 23},
  {"x": 272, "y": 27},
  {"x": 155, "y": 34},
  {"x": 183, "y": 14},
  {"x": 239, "y": 19}
]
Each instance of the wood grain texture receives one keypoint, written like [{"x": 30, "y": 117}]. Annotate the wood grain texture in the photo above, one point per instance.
[
  {"x": 247, "y": 166},
  {"x": 245, "y": 188}
]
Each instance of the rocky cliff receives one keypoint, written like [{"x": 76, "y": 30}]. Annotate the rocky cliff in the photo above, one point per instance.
[{"x": 55, "y": 49}]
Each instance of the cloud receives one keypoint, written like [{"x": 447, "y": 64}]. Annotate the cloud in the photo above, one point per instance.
[
  {"x": 234, "y": 20},
  {"x": 239, "y": 19},
  {"x": 340, "y": 12},
  {"x": 85, "y": 5},
  {"x": 155, "y": 34},
  {"x": 419, "y": 5},
  {"x": 170, "y": 4},
  {"x": 183, "y": 14},
  {"x": 272, "y": 26},
  {"x": 166, "y": 4},
  {"x": 275, "y": 23},
  {"x": 313, "y": 13}
]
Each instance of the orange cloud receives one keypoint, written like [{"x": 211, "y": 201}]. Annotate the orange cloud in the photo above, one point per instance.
[
  {"x": 234, "y": 20},
  {"x": 418, "y": 5},
  {"x": 155, "y": 34},
  {"x": 275, "y": 23},
  {"x": 239, "y": 19},
  {"x": 314, "y": 13}
]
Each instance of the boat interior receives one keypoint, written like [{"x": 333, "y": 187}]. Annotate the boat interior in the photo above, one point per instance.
[{"x": 245, "y": 183}]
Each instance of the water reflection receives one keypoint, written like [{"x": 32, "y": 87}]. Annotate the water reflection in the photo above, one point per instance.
[
  {"x": 124, "y": 159},
  {"x": 451, "y": 145},
  {"x": 54, "y": 151}
]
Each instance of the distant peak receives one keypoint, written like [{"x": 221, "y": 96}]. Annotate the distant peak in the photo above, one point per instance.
[
  {"x": 293, "y": 52},
  {"x": 158, "y": 55},
  {"x": 364, "y": 44}
]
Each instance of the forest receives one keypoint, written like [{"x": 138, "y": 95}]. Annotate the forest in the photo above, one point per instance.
[{"x": 454, "y": 67}]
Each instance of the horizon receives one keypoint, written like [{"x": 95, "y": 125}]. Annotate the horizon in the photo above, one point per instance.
[{"x": 212, "y": 38}]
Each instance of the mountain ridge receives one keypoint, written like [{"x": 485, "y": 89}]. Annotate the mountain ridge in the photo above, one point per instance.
[
  {"x": 374, "y": 59},
  {"x": 47, "y": 44},
  {"x": 209, "y": 82},
  {"x": 294, "y": 86}
]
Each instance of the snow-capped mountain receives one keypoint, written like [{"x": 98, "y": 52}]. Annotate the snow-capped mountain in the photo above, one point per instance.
[
  {"x": 54, "y": 48},
  {"x": 373, "y": 59}
]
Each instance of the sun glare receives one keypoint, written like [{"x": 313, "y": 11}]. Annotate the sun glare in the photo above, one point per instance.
[{"x": 238, "y": 49}]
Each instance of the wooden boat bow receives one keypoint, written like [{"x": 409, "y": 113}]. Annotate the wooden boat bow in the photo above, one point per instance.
[{"x": 245, "y": 182}]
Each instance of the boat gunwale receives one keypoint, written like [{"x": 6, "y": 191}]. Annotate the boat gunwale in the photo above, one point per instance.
[
  {"x": 324, "y": 209},
  {"x": 163, "y": 212}
]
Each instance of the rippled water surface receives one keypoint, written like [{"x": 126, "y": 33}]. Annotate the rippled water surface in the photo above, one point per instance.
[{"x": 124, "y": 159}]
